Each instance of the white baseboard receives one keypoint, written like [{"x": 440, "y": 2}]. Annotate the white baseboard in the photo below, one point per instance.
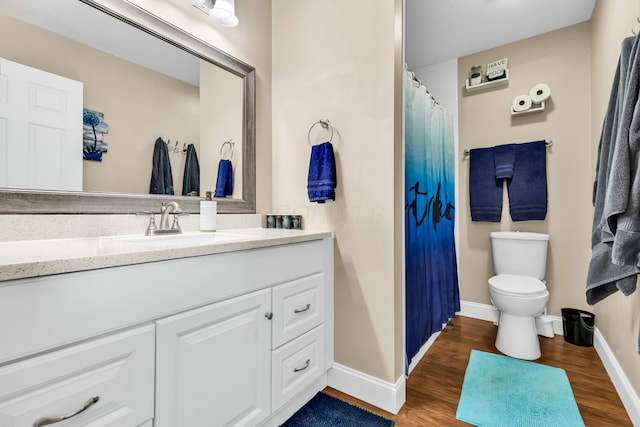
[
  {"x": 423, "y": 350},
  {"x": 618, "y": 378},
  {"x": 479, "y": 311},
  {"x": 620, "y": 381},
  {"x": 372, "y": 390}
]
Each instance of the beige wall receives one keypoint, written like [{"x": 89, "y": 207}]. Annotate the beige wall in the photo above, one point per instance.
[
  {"x": 250, "y": 42},
  {"x": 323, "y": 68},
  {"x": 560, "y": 59},
  {"x": 221, "y": 121},
  {"x": 617, "y": 316}
]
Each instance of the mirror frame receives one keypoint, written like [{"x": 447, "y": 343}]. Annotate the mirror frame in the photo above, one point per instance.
[{"x": 16, "y": 201}]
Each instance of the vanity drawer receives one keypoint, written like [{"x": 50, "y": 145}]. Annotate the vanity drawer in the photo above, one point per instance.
[
  {"x": 118, "y": 369},
  {"x": 298, "y": 306},
  {"x": 295, "y": 365}
]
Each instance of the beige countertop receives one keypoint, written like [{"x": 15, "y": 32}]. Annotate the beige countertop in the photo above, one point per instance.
[{"x": 33, "y": 258}]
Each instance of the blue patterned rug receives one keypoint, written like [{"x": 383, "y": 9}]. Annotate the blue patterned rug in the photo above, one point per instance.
[
  {"x": 327, "y": 411},
  {"x": 502, "y": 391}
]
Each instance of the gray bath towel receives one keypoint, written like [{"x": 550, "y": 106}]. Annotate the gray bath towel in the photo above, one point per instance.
[
  {"x": 604, "y": 276},
  {"x": 622, "y": 200}
]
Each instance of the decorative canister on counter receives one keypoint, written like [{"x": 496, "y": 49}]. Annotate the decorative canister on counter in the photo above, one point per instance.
[
  {"x": 296, "y": 222},
  {"x": 288, "y": 222}
]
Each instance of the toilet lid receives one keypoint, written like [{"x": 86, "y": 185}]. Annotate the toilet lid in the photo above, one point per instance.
[{"x": 512, "y": 284}]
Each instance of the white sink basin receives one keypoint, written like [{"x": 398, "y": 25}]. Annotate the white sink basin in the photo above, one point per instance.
[{"x": 183, "y": 239}]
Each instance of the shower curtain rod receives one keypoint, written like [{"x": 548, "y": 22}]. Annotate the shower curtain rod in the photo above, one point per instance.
[
  {"x": 547, "y": 142},
  {"x": 417, "y": 80}
]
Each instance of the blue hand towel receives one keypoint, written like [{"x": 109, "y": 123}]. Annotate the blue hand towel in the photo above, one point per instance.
[
  {"x": 161, "y": 178},
  {"x": 485, "y": 191},
  {"x": 504, "y": 156},
  {"x": 528, "y": 187},
  {"x": 322, "y": 180},
  {"x": 191, "y": 176},
  {"x": 224, "y": 183}
]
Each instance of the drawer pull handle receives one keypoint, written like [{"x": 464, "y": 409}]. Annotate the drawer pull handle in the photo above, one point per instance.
[
  {"x": 306, "y": 365},
  {"x": 269, "y": 316},
  {"x": 47, "y": 421},
  {"x": 302, "y": 310}
]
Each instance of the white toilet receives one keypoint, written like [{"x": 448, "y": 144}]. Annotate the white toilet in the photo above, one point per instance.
[{"x": 518, "y": 290}]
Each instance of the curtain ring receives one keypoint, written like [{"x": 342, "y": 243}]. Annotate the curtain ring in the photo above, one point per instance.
[
  {"x": 325, "y": 125},
  {"x": 231, "y": 145}
]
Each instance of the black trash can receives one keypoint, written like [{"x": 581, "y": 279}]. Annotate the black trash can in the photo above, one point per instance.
[{"x": 578, "y": 326}]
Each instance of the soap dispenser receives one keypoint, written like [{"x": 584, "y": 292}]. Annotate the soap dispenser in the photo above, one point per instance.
[{"x": 208, "y": 212}]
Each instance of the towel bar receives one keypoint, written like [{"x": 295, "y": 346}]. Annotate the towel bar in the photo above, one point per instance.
[{"x": 547, "y": 142}]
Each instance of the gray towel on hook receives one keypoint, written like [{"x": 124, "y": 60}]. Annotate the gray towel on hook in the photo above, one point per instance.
[
  {"x": 622, "y": 200},
  {"x": 604, "y": 277}
]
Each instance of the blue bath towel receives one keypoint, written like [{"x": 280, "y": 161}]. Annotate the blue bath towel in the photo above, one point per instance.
[
  {"x": 322, "y": 180},
  {"x": 161, "y": 178},
  {"x": 191, "y": 176},
  {"x": 528, "y": 187},
  {"x": 504, "y": 157},
  {"x": 485, "y": 191},
  {"x": 224, "y": 183}
]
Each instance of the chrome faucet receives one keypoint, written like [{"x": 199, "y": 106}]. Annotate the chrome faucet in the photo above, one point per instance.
[
  {"x": 165, "y": 210},
  {"x": 163, "y": 227}
]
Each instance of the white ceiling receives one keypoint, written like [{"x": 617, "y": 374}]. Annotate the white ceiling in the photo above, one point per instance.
[{"x": 440, "y": 30}]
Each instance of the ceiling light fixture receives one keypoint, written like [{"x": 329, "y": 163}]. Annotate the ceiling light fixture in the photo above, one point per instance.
[{"x": 222, "y": 12}]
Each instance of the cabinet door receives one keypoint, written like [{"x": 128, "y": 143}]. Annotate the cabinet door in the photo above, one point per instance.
[
  {"x": 112, "y": 377},
  {"x": 213, "y": 364}
]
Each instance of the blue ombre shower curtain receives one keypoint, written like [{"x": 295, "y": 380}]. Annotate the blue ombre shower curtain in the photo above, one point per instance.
[{"x": 431, "y": 292}]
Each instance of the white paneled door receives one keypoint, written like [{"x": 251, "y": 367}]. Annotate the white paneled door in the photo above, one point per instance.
[{"x": 40, "y": 129}]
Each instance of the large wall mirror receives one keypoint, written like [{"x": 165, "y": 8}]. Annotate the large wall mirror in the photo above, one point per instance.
[{"x": 147, "y": 80}]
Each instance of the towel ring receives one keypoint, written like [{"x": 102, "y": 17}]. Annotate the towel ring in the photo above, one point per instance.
[
  {"x": 325, "y": 125},
  {"x": 231, "y": 144}
]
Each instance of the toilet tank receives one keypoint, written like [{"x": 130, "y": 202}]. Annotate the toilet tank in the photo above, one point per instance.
[{"x": 520, "y": 253}]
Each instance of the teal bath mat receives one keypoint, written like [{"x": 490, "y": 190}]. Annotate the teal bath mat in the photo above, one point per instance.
[{"x": 503, "y": 391}]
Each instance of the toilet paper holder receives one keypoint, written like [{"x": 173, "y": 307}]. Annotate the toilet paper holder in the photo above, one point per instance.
[{"x": 532, "y": 102}]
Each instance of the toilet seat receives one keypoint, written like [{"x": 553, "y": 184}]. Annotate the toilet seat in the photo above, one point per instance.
[{"x": 517, "y": 286}]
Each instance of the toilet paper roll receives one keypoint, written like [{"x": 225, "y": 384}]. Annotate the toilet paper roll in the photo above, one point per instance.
[
  {"x": 521, "y": 103},
  {"x": 540, "y": 93}
]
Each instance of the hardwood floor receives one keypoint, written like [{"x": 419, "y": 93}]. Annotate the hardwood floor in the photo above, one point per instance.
[{"x": 434, "y": 386}]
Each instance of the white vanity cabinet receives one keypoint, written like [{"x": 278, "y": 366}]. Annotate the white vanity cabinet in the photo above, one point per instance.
[
  {"x": 240, "y": 338},
  {"x": 214, "y": 364}
]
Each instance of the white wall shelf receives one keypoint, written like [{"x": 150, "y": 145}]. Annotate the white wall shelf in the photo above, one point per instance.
[
  {"x": 488, "y": 84},
  {"x": 534, "y": 108}
]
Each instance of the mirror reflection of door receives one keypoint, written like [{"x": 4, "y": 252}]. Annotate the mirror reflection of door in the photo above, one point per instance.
[{"x": 40, "y": 129}]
